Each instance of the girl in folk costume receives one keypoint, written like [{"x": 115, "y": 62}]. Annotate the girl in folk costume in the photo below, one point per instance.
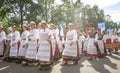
[
  {"x": 30, "y": 56},
  {"x": 91, "y": 48},
  {"x": 54, "y": 38},
  {"x": 15, "y": 42},
  {"x": 80, "y": 41},
  {"x": 60, "y": 40},
  {"x": 115, "y": 42},
  {"x": 108, "y": 41},
  {"x": 2, "y": 41},
  {"x": 23, "y": 43},
  {"x": 100, "y": 43},
  {"x": 85, "y": 43},
  {"x": 44, "y": 54},
  {"x": 8, "y": 39},
  {"x": 71, "y": 51}
]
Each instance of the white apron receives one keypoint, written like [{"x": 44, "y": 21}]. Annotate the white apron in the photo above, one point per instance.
[
  {"x": 70, "y": 50},
  {"x": 91, "y": 48},
  {"x": 32, "y": 50},
  {"x": 14, "y": 50}
]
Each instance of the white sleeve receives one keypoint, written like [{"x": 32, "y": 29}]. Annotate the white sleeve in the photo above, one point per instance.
[
  {"x": 104, "y": 38},
  {"x": 96, "y": 37},
  {"x": 49, "y": 32},
  {"x": 3, "y": 37}
]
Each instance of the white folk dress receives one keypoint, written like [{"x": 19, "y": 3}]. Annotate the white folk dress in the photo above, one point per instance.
[
  {"x": 23, "y": 43},
  {"x": 44, "y": 51},
  {"x": 100, "y": 44},
  {"x": 71, "y": 51},
  {"x": 2, "y": 38},
  {"x": 80, "y": 42},
  {"x": 60, "y": 44},
  {"x": 32, "y": 44},
  {"x": 54, "y": 41},
  {"x": 15, "y": 44},
  {"x": 9, "y": 38}
]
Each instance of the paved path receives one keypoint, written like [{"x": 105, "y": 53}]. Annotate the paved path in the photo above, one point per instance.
[{"x": 109, "y": 64}]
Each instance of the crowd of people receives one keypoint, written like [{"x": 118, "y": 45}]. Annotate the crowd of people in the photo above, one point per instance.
[{"x": 42, "y": 45}]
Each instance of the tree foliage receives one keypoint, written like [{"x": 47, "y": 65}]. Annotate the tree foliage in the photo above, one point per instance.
[{"x": 68, "y": 11}]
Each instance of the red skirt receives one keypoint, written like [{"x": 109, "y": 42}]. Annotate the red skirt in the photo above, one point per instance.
[
  {"x": 108, "y": 44},
  {"x": 115, "y": 43}
]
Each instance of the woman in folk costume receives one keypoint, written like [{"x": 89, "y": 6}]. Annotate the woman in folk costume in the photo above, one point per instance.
[
  {"x": 8, "y": 39},
  {"x": 71, "y": 51},
  {"x": 80, "y": 39},
  {"x": 33, "y": 41},
  {"x": 115, "y": 42},
  {"x": 2, "y": 41},
  {"x": 60, "y": 40},
  {"x": 44, "y": 54},
  {"x": 85, "y": 43},
  {"x": 15, "y": 42},
  {"x": 108, "y": 41},
  {"x": 100, "y": 43},
  {"x": 91, "y": 48},
  {"x": 23, "y": 43},
  {"x": 54, "y": 38}
]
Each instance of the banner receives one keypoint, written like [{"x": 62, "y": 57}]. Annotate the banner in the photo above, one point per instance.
[
  {"x": 101, "y": 25},
  {"x": 61, "y": 30}
]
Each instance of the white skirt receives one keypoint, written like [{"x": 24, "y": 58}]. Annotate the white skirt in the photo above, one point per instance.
[
  {"x": 1, "y": 48},
  {"x": 60, "y": 45},
  {"x": 80, "y": 44},
  {"x": 14, "y": 50},
  {"x": 101, "y": 46},
  {"x": 53, "y": 41},
  {"x": 31, "y": 50},
  {"x": 70, "y": 50},
  {"x": 85, "y": 45},
  {"x": 44, "y": 52},
  {"x": 22, "y": 49},
  {"x": 91, "y": 48}
]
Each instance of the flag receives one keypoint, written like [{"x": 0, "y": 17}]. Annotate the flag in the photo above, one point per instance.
[
  {"x": 101, "y": 25},
  {"x": 110, "y": 30},
  {"x": 61, "y": 31}
]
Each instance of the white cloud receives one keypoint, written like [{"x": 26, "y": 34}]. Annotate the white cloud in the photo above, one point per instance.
[
  {"x": 59, "y": 2},
  {"x": 104, "y": 3}
]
